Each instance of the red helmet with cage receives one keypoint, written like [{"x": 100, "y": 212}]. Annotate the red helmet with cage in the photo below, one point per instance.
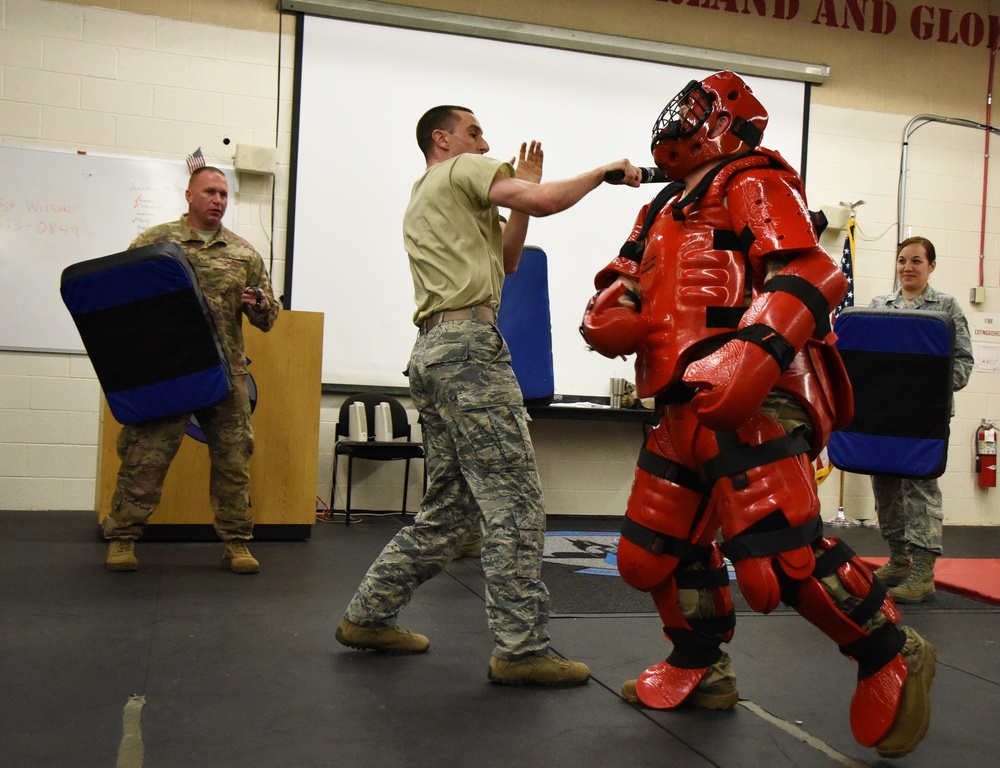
[{"x": 682, "y": 134}]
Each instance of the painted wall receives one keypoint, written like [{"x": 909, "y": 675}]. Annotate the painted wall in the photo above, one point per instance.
[{"x": 161, "y": 78}]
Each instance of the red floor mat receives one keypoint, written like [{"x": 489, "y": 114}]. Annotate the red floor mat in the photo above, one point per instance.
[{"x": 971, "y": 577}]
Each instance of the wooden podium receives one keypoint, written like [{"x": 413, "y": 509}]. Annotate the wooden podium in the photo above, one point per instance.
[{"x": 286, "y": 365}]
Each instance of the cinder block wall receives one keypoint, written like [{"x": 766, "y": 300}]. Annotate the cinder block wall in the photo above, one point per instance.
[{"x": 106, "y": 79}]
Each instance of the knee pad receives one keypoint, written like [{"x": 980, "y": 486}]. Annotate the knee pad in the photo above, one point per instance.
[
  {"x": 647, "y": 558},
  {"x": 656, "y": 535},
  {"x": 767, "y": 503}
]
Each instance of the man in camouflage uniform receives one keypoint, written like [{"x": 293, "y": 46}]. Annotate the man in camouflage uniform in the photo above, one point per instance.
[
  {"x": 909, "y": 511},
  {"x": 480, "y": 461},
  {"x": 234, "y": 282}
]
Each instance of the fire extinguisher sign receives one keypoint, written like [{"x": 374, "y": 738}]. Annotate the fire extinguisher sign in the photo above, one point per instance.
[{"x": 984, "y": 327}]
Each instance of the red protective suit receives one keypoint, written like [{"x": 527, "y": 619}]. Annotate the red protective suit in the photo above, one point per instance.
[{"x": 733, "y": 340}]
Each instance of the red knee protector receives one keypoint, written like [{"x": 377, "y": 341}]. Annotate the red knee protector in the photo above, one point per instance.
[
  {"x": 667, "y": 508},
  {"x": 640, "y": 569},
  {"x": 763, "y": 504}
]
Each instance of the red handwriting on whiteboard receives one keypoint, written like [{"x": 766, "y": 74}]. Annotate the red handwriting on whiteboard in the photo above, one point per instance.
[
  {"x": 39, "y": 227},
  {"x": 40, "y": 217}
]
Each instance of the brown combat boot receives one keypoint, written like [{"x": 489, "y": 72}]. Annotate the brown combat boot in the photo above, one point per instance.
[
  {"x": 471, "y": 546},
  {"x": 238, "y": 558},
  {"x": 898, "y": 567},
  {"x": 914, "y": 715},
  {"x": 716, "y": 690},
  {"x": 121, "y": 555},
  {"x": 547, "y": 670},
  {"x": 384, "y": 638},
  {"x": 919, "y": 584}
]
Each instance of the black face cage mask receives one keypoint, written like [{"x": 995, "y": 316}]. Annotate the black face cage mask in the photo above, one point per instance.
[{"x": 685, "y": 114}]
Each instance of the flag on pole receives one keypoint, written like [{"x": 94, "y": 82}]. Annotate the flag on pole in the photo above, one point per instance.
[
  {"x": 195, "y": 160},
  {"x": 847, "y": 266},
  {"x": 823, "y": 466}
]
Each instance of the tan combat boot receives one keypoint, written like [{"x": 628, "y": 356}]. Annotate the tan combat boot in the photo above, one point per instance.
[
  {"x": 471, "y": 546},
  {"x": 546, "y": 670},
  {"x": 121, "y": 555},
  {"x": 716, "y": 690},
  {"x": 385, "y": 638},
  {"x": 919, "y": 584},
  {"x": 914, "y": 713},
  {"x": 894, "y": 571},
  {"x": 237, "y": 556}
]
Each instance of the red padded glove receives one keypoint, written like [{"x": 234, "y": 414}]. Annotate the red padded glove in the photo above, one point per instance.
[
  {"x": 732, "y": 383},
  {"x": 610, "y": 328}
]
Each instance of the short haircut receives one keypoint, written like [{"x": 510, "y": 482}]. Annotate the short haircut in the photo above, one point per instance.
[
  {"x": 927, "y": 244},
  {"x": 437, "y": 118},
  {"x": 198, "y": 171}
]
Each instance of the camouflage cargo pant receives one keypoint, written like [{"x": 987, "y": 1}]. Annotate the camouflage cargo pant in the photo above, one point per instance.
[
  {"x": 909, "y": 512},
  {"x": 481, "y": 465},
  {"x": 147, "y": 449}
]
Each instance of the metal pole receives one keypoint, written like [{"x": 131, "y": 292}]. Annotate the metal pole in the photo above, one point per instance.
[{"x": 842, "y": 520}]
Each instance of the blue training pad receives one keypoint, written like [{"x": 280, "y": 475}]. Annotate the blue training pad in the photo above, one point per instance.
[
  {"x": 148, "y": 332},
  {"x": 900, "y": 366},
  {"x": 526, "y": 324}
]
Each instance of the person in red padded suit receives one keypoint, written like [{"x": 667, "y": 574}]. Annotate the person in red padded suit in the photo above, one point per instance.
[{"x": 724, "y": 295}]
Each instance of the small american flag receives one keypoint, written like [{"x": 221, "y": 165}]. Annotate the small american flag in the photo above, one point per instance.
[
  {"x": 195, "y": 160},
  {"x": 847, "y": 266}
]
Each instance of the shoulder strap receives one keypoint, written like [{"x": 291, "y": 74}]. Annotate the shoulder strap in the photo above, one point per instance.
[{"x": 632, "y": 249}]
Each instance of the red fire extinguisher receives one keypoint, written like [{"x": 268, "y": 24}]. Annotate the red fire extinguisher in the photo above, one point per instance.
[{"x": 986, "y": 454}]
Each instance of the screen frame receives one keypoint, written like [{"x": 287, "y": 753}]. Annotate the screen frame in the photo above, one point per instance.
[{"x": 359, "y": 89}]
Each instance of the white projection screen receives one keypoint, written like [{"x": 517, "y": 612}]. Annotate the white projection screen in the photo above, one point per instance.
[{"x": 362, "y": 89}]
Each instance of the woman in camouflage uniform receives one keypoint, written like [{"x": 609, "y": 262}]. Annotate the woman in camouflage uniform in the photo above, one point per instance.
[{"x": 910, "y": 511}]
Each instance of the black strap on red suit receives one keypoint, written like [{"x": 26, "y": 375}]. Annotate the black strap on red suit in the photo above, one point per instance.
[
  {"x": 808, "y": 294},
  {"x": 875, "y": 650},
  {"x": 666, "y": 469},
  {"x": 735, "y": 457},
  {"x": 772, "y": 542},
  {"x": 663, "y": 543},
  {"x": 772, "y": 342}
]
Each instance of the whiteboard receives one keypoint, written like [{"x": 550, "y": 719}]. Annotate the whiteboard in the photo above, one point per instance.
[
  {"x": 58, "y": 208},
  {"x": 362, "y": 89}
]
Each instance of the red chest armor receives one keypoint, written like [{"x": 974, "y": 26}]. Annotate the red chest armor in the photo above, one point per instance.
[
  {"x": 698, "y": 269},
  {"x": 690, "y": 288}
]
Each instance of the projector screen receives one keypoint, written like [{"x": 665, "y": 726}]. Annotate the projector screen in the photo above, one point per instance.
[{"x": 362, "y": 88}]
